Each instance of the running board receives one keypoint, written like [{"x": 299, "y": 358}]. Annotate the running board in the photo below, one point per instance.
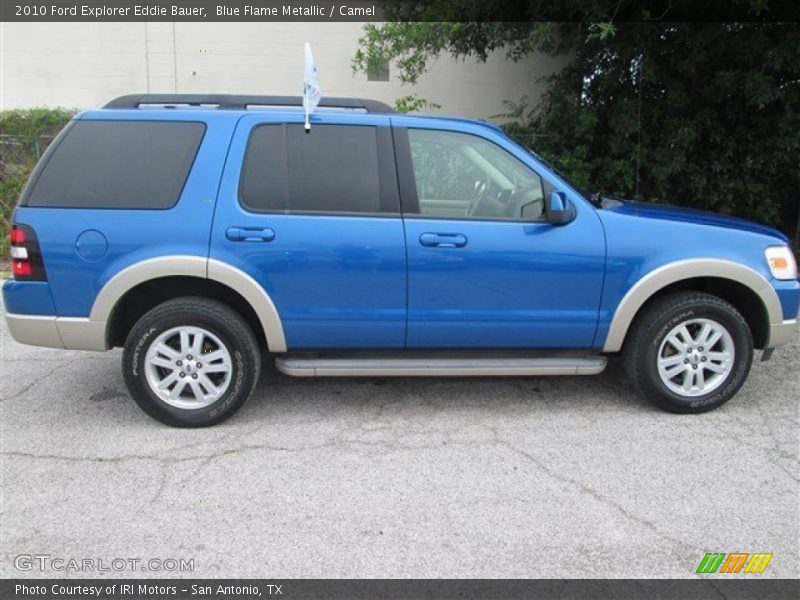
[{"x": 439, "y": 367}]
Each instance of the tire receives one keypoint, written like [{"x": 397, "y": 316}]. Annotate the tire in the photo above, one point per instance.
[
  {"x": 159, "y": 357},
  {"x": 659, "y": 359}
]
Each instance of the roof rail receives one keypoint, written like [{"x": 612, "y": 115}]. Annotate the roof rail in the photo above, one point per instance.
[{"x": 235, "y": 102}]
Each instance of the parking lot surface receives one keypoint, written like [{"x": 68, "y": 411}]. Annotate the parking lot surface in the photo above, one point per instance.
[{"x": 527, "y": 477}]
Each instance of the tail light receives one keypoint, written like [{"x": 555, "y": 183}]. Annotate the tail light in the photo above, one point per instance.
[{"x": 26, "y": 256}]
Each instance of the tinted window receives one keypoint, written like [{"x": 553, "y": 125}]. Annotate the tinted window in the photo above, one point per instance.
[
  {"x": 264, "y": 173},
  {"x": 119, "y": 164},
  {"x": 465, "y": 176},
  {"x": 334, "y": 168}
]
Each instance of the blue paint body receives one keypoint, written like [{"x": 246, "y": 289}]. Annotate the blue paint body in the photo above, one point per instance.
[
  {"x": 641, "y": 238},
  {"x": 345, "y": 281}
]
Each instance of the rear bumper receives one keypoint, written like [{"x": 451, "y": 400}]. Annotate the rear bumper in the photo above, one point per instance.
[
  {"x": 57, "y": 332},
  {"x": 782, "y": 333}
]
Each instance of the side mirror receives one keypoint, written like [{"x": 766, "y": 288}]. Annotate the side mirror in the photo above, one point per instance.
[{"x": 559, "y": 210}]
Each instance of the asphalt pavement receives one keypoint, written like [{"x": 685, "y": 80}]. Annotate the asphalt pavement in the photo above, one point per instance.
[{"x": 494, "y": 478}]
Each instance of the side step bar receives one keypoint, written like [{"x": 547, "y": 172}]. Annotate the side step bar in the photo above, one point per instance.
[{"x": 439, "y": 367}]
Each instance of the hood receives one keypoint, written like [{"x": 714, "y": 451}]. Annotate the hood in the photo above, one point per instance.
[{"x": 687, "y": 215}]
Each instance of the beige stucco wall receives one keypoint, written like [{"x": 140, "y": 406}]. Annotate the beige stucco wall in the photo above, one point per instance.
[{"x": 86, "y": 64}]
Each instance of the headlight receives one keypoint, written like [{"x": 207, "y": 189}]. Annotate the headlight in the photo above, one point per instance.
[{"x": 781, "y": 262}]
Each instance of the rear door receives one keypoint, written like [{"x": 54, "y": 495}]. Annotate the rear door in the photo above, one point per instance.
[{"x": 315, "y": 219}]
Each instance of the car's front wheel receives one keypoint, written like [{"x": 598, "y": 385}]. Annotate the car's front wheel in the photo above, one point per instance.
[
  {"x": 689, "y": 352},
  {"x": 191, "y": 362}
]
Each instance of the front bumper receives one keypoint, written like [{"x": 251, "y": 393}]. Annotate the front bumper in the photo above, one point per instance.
[
  {"x": 783, "y": 327},
  {"x": 782, "y": 333},
  {"x": 57, "y": 332}
]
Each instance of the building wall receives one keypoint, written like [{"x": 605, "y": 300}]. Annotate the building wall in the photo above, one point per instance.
[{"x": 85, "y": 64}]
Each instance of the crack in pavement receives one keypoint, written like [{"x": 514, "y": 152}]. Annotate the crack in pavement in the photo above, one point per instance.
[
  {"x": 392, "y": 446},
  {"x": 39, "y": 379},
  {"x": 587, "y": 489}
]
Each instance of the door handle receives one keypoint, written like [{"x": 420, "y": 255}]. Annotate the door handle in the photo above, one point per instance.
[
  {"x": 443, "y": 240},
  {"x": 250, "y": 234}
]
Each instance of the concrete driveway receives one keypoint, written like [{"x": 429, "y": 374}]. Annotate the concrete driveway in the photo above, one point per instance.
[{"x": 561, "y": 477}]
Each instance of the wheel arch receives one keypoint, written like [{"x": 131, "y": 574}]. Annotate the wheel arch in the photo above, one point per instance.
[
  {"x": 136, "y": 288},
  {"x": 746, "y": 289}
]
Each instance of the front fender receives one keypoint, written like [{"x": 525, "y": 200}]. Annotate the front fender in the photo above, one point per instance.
[{"x": 681, "y": 270}]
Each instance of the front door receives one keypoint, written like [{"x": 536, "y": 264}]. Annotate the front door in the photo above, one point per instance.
[
  {"x": 484, "y": 268},
  {"x": 314, "y": 218}
]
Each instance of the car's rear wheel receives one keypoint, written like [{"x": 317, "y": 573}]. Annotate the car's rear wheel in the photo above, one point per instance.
[
  {"x": 689, "y": 352},
  {"x": 191, "y": 362}
]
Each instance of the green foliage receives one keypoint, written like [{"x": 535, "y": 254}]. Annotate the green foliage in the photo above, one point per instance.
[
  {"x": 411, "y": 45},
  {"x": 705, "y": 114},
  {"x": 29, "y": 124},
  {"x": 10, "y": 189},
  {"x": 413, "y": 103},
  {"x": 700, "y": 114},
  {"x": 24, "y": 135}
]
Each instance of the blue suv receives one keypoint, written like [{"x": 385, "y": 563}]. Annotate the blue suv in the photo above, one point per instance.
[{"x": 201, "y": 232}]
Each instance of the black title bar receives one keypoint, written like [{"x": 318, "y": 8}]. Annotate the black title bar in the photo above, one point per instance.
[
  {"x": 192, "y": 10},
  {"x": 403, "y": 10}
]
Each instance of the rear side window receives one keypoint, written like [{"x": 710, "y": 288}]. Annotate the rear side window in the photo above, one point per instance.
[
  {"x": 334, "y": 168},
  {"x": 118, "y": 164}
]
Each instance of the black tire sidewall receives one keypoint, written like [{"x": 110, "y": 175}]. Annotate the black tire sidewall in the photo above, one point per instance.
[
  {"x": 244, "y": 369},
  {"x": 743, "y": 347}
]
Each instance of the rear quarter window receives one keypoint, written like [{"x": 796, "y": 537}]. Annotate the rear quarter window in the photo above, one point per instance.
[{"x": 118, "y": 164}]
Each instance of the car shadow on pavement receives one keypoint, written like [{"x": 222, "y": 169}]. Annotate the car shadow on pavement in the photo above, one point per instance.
[{"x": 608, "y": 391}]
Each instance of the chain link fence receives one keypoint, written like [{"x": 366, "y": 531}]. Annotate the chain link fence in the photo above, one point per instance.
[
  {"x": 18, "y": 155},
  {"x": 18, "y": 150}
]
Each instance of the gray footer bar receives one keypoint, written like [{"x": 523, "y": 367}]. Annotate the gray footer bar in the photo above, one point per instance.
[{"x": 358, "y": 589}]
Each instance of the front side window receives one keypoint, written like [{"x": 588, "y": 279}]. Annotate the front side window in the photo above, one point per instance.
[
  {"x": 334, "y": 168},
  {"x": 462, "y": 176},
  {"x": 118, "y": 164}
]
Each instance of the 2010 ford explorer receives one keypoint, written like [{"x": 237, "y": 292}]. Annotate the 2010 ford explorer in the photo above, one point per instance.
[{"x": 202, "y": 232}]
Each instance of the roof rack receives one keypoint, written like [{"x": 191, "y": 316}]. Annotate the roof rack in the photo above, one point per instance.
[{"x": 227, "y": 101}]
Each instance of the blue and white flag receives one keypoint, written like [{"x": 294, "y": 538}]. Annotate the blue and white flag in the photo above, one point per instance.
[{"x": 312, "y": 93}]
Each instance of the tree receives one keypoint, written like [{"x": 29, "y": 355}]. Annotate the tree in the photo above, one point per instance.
[
  {"x": 704, "y": 114},
  {"x": 24, "y": 135}
]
